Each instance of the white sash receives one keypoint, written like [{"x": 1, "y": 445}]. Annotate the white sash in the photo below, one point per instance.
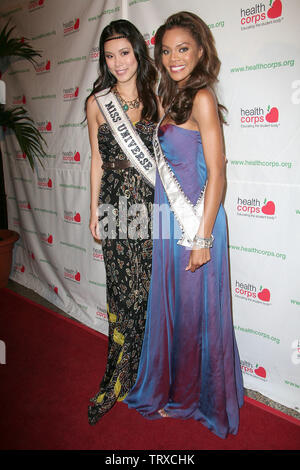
[
  {"x": 126, "y": 136},
  {"x": 187, "y": 214}
]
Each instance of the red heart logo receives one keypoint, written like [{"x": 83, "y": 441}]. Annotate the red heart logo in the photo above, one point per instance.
[
  {"x": 264, "y": 295},
  {"x": 77, "y": 217},
  {"x": 269, "y": 208},
  {"x": 76, "y": 25},
  {"x": 273, "y": 115},
  {"x": 275, "y": 10},
  {"x": 50, "y": 239},
  {"x": 77, "y": 276},
  {"x": 77, "y": 157},
  {"x": 76, "y": 92},
  {"x": 50, "y": 183},
  {"x": 49, "y": 126},
  {"x": 48, "y": 65},
  {"x": 261, "y": 372}
]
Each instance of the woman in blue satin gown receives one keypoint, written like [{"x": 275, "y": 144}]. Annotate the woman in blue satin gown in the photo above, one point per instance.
[{"x": 189, "y": 366}]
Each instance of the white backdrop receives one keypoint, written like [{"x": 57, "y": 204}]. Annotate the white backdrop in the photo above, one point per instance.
[{"x": 258, "y": 44}]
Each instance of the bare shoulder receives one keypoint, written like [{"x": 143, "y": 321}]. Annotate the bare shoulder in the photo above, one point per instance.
[
  {"x": 205, "y": 108},
  {"x": 91, "y": 106},
  {"x": 205, "y": 99},
  {"x": 93, "y": 111}
]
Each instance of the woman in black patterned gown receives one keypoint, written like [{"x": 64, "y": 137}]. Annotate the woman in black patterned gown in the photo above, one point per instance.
[{"x": 127, "y": 70}]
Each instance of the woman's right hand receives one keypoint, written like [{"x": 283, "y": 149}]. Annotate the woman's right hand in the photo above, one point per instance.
[{"x": 94, "y": 226}]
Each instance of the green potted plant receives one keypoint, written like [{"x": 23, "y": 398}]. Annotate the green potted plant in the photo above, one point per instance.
[{"x": 29, "y": 138}]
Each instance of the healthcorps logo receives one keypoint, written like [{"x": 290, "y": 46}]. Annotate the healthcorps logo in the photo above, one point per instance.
[
  {"x": 250, "y": 292},
  {"x": 35, "y": 5},
  {"x": 53, "y": 287},
  {"x": 256, "y": 371},
  {"x": 44, "y": 127},
  {"x": 70, "y": 27},
  {"x": 296, "y": 352},
  {"x": 19, "y": 100},
  {"x": 31, "y": 254},
  {"x": 70, "y": 94},
  {"x": 24, "y": 205},
  {"x": 261, "y": 14},
  {"x": 72, "y": 275},
  {"x": 150, "y": 39},
  {"x": 72, "y": 217},
  {"x": 94, "y": 54},
  {"x": 260, "y": 117},
  {"x": 97, "y": 254},
  {"x": 45, "y": 183},
  {"x": 20, "y": 156},
  {"x": 19, "y": 268},
  {"x": 46, "y": 238},
  {"x": 71, "y": 157},
  {"x": 43, "y": 67},
  {"x": 253, "y": 207},
  {"x": 101, "y": 314}
]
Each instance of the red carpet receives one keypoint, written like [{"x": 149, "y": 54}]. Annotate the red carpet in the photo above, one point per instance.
[{"x": 53, "y": 366}]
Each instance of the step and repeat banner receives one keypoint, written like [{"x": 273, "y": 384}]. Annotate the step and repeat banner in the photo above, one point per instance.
[{"x": 258, "y": 44}]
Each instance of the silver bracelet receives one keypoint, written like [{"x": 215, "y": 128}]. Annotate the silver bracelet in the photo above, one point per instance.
[{"x": 203, "y": 242}]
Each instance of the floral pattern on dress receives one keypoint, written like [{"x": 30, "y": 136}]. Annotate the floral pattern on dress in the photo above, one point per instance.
[{"x": 128, "y": 270}]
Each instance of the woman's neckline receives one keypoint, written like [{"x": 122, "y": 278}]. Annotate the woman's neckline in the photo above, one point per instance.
[
  {"x": 133, "y": 123},
  {"x": 178, "y": 127}
]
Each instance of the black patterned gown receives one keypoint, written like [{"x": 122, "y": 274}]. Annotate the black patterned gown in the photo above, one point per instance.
[{"x": 128, "y": 272}]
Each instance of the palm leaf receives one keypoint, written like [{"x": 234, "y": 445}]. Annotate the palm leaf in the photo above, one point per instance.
[
  {"x": 29, "y": 138},
  {"x": 16, "y": 46}
]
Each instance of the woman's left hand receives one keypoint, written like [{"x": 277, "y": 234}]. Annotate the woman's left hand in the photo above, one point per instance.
[{"x": 198, "y": 257}]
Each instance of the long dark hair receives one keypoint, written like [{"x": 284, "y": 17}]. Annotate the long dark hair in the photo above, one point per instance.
[
  {"x": 204, "y": 74},
  {"x": 146, "y": 72}
]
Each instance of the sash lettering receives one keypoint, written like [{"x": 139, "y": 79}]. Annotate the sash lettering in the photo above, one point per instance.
[
  {"x": 126, "y": 136},
  {"x": 112, "y": 112},
  {"x": 187, "y": 214}
]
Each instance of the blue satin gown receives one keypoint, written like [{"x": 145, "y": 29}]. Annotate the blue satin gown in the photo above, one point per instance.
[{"x": 189, "y": 363}]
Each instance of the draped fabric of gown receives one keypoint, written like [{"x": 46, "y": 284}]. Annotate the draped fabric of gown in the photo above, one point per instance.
[
  {"x": 189, "y": 363},
  {"x": 128, "y": 270}
]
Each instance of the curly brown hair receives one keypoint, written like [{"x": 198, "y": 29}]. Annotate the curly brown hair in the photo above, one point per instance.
[{"x": 204, "y": 74}]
